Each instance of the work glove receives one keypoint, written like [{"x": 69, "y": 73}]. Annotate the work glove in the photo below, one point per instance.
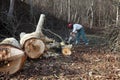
[{"x": 72, "y": 34}]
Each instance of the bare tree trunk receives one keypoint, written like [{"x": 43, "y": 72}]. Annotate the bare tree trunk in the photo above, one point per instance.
[
  {"x": 11, "y": 18},
  {"x": 91, "y": 22},
  {"x": 11, "y": 9},
  {"x": 31, "y": 9},
  {"x": 117, "y": 14},
  {"x": 90, "y": 15},
  {"x": 114, "y": 37},
  {"x": 69, "y": 10}
]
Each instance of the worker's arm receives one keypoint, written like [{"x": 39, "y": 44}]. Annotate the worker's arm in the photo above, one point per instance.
[{"x": 72, "y": 34}]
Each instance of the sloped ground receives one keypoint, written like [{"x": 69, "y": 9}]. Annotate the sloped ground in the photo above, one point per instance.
[{"x": 92, "y": 62}]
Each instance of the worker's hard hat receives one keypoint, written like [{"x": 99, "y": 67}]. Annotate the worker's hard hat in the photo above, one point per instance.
[{"x": 70, "y": 25}]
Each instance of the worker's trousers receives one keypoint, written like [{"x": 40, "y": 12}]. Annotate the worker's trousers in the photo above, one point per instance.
[{"x": 81, "y": 33}]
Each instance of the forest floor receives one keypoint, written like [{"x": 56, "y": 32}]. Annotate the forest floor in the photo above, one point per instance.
[{"x": 91, "y": 62}]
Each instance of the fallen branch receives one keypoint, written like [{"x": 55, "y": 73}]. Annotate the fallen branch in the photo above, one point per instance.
[
  {"x": 66, "y": 49},
  {"x": 54, "y": 34}
]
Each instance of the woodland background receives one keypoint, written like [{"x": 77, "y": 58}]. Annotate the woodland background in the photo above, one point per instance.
[
  {"x": 97, "y": 16},
  {"x": 101, "y": 19}
]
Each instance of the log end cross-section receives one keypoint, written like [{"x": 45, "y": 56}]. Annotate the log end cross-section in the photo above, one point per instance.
[
  {"x": 66, "y": 50},
  {"x": 11, "y": 59},
  {"x": 34, "y": 47}
]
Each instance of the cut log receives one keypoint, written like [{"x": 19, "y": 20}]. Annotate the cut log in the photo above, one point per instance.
[
  {"x": 31, "y": 42},
  {"x": 52, "y": 45},
  {"x": 11, "y": 41},
  {"x": 66, "y": 50},
  {"x": 34, "y": 48},
  {"x": 36, "y": 34},
  {"x": 12, "y": 58},
  {"x": 34, "y": 43}
]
